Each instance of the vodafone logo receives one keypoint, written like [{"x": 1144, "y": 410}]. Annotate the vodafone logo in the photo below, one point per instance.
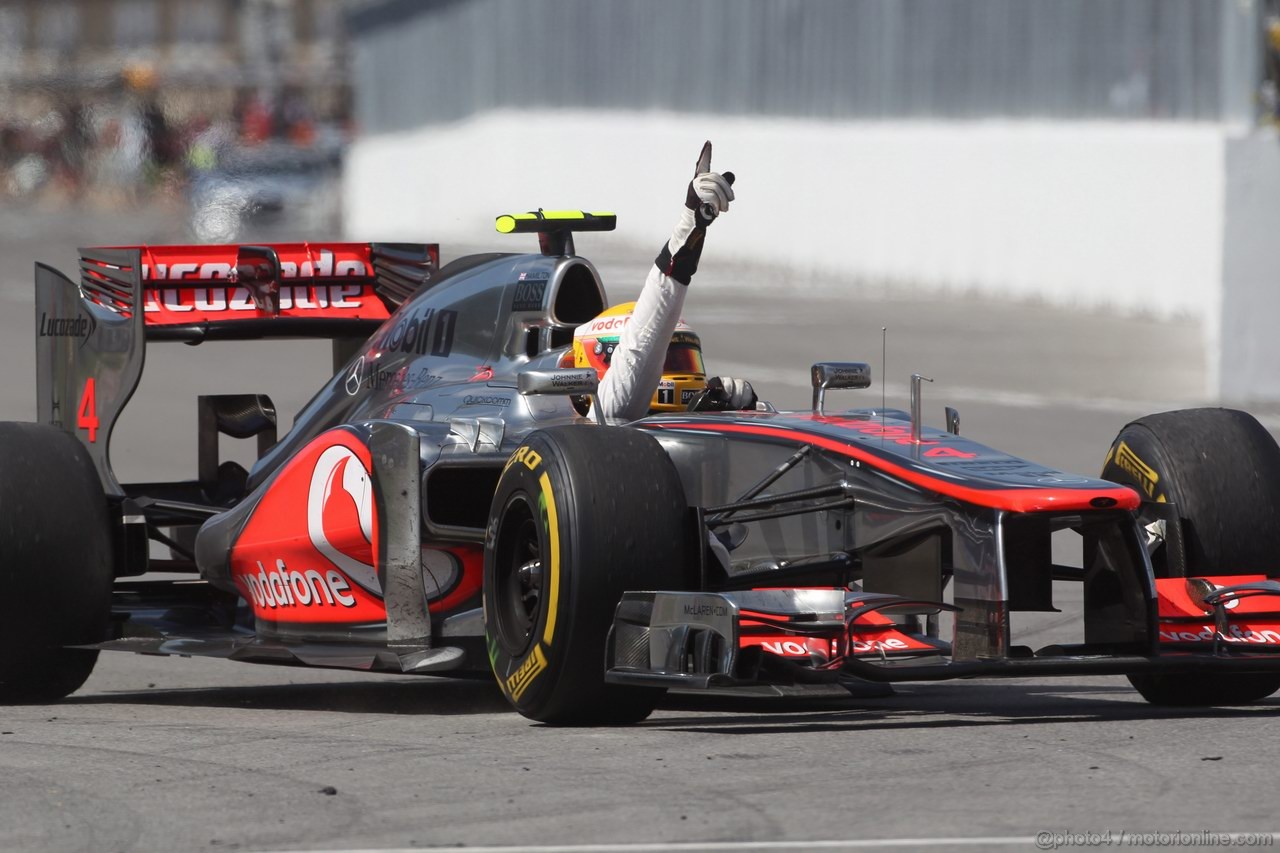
[
  {"x": 889, "y": 644},
  {"x": 340, "y": 515},
  {"x": 282, "y": 587},
  {"x": 607, "y": 324},
  {"x": 786, "y": 648},
  {"x": 1234, "y": 634}
]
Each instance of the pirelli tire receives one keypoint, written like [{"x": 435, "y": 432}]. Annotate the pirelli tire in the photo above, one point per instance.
[
  {"x": 581, "y": 514},
  {"x": 1221, "y": 468},
  {"x": 56, "y": 564}
]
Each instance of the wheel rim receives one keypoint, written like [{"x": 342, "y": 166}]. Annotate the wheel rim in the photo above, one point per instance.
[{"x": 518, "y": 561}]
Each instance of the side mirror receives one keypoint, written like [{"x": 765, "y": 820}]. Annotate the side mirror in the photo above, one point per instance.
[
  {"x": 570, "y": 380},
  {"x": 258, "y": 271},
  {"x": 838, "y": 375},
  {"x": 567, "y": 381}
]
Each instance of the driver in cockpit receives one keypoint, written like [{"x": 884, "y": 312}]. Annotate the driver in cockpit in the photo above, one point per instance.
[{"x": 647, "y": 358}]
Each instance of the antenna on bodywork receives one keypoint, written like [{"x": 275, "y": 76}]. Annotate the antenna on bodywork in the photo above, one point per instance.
[{"x": 884, "y": 358}]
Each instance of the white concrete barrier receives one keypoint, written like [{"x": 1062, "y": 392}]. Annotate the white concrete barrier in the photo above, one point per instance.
[
  {"x": 1245, "y": 351},
  {"x": 1116, "y": 216}
]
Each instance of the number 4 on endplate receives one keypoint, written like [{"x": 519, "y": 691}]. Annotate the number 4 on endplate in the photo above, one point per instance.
[{"x": 87, "y": 413}]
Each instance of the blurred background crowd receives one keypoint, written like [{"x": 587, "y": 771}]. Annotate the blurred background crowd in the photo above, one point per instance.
[{"x": 106, "y": 103}]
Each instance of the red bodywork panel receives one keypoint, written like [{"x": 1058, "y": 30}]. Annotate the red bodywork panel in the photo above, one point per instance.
[
  {"x": 193, "y": 284},
  {"x": 868, "y": 641},
  {"x": 872, "y": 635},
  {"x": 308, "y": 551},
  {"x": 308, "y": 554},
  {"x": 1255, "y": 621},
  {"x": 915, "y": 461},
  {"x": 186, "y": 285}
]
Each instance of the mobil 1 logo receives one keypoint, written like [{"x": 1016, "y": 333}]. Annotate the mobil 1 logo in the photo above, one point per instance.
[{"x": 425, "y": 332}]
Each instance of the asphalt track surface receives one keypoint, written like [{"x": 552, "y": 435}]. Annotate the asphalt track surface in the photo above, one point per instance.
[{"x": 188, "y": 754}]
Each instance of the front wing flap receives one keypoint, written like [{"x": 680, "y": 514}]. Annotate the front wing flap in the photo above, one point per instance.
[
  {"x": 706, "y": 640},
  {"x": 724, "y": 639}
]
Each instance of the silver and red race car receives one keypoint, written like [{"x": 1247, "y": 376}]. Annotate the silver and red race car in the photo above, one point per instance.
[{"x": 440, "y": 506}]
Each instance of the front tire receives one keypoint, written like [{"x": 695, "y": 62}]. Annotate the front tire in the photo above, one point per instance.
[
  {"x": 1221, "y": 468},
  {"x": 581, "y": 514},
  {"x": 55, "y": 563}
]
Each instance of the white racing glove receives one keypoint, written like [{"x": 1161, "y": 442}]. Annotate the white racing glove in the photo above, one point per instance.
[
  {"x": 725, "y": 394},
  {"x": 708, "y": 196}
]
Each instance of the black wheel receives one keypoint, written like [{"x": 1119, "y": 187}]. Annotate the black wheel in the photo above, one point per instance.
[
  {"x": 581, "y": 514},
  {"x": 1221, "y": 468},
  {"x": 55, "y": 563}
]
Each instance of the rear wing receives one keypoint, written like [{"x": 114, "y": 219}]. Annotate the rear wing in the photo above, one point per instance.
[
  {"x": 91, "y": 336},
  {"x": 197, "y": 293}
]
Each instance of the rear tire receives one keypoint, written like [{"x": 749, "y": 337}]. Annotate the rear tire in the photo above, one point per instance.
[
  {"x": 1221, "y": 468},
  {"x": 581, "y": 514},
  {"x": 55, "y": 563}
]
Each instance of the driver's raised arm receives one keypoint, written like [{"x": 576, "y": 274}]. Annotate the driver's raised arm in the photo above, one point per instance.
[{"x": 632, "y": 378}]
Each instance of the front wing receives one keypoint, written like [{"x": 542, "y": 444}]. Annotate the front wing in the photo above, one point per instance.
[{"x": 705, "y": 640}]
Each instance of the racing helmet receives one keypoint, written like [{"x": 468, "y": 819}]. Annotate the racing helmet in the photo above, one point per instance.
[{"x": 683, "y": 374}]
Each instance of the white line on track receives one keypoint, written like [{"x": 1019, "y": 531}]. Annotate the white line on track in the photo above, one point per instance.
[{"x": 693, "y": 846}]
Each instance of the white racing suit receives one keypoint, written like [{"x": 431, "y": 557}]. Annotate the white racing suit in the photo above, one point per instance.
[
  {"x": 636, "y": 367},
  {"x": 629, "y": 384}
]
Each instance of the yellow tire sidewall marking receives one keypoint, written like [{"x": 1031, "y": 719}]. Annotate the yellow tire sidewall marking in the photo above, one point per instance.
[
  {"x": 1133, "y": 465},
  {"x": 520, "y": 680},
  {"x": 553, "y": 560}
]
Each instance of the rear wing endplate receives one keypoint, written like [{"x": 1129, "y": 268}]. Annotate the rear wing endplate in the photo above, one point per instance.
[{"x": 89, "y": 357}]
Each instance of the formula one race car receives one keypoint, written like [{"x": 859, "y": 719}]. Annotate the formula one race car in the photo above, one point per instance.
[{"x": 440, "y": 506}]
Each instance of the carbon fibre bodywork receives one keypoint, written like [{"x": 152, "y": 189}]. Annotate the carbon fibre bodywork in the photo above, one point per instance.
[{"x": 826, "y": 545}]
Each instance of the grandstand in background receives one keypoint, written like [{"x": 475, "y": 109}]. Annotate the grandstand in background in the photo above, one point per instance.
[{"x": 1176, "y": 60}]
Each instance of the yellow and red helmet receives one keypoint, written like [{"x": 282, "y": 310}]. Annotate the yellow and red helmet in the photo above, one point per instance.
[{"x": 683, "y": 373}]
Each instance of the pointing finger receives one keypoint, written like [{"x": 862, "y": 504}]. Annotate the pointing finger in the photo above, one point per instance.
[{"x": 704, "y": 160}]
